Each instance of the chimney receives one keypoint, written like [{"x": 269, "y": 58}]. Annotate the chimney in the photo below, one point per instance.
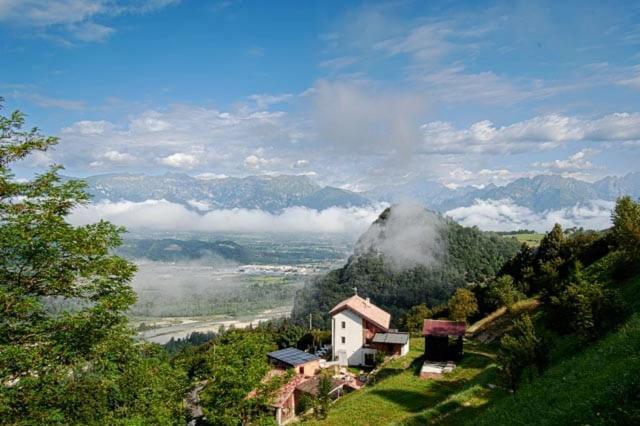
[{"x": 368, "y": 301}]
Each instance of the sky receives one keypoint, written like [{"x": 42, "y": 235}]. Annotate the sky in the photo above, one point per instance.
[{"x": 353, "y": 94}]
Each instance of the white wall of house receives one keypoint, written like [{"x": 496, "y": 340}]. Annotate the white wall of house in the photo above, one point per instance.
[{"x": 348, "y": 325}]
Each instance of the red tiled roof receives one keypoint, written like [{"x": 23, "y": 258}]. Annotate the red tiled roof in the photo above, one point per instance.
[
  {"x": 443, "y": 328},
  {"x": 365, "y": 309}
]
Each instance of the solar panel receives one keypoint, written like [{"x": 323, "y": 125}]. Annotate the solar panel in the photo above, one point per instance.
[{"x": 292, "y": 356}]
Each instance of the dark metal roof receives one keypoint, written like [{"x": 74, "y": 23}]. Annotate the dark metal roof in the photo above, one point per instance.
[
  {"x": 292, "y": 356},
  {"x": 443, "y": 328},
  {"x": 391, "y": 338}
]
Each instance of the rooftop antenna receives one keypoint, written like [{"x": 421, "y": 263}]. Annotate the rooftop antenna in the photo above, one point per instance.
[{"x": 355, "y": 289}]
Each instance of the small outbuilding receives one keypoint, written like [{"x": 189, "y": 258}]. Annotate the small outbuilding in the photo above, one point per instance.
[
  {"x": 443, "y": 340},
  {"x": 391, "y": 343},
  {"x": 304, "y": 363}
]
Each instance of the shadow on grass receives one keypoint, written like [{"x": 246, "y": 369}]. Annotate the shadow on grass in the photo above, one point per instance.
[{"x": 410, "y": 401}]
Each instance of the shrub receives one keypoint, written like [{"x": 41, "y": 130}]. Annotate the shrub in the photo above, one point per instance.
[
  {"x": 586, "y": 308},
  {"x": 503, "y": 292},
  {"x": 521, "y": 350},
  {"x": 462, "y": 305}
]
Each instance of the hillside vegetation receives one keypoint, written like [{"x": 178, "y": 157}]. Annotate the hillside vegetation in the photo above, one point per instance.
[{"x": 465, "y": 256}]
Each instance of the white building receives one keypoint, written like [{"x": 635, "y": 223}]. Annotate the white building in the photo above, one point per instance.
[{"x": 359, "y": 329}]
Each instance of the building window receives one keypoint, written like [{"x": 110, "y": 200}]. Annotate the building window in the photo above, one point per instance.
[
  {"x": 344, "y": 339},
  {"x": 301, "y": 370},
  {"x": 344, "y": 324}
]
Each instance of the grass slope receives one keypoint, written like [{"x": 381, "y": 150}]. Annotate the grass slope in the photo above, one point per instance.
[
  {"x": 598, "y": 386},
  {"x": 400, "y": 396}
]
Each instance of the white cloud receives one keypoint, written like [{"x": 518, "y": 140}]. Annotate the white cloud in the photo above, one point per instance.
[
  {"x": 203, "y": 206},
  {"x": 577, "y": 161},
  {"x": 255, "y": 162},
  {"x": 632, "y": 81},
  {"x": 300, "y": 164},
  {"x": 179, "y": 160},
  {"x": 149, "y": 121},
  {"x": 265, "y": 100},
  {"x": 166, "y": 216},
  {"x": 410, "y": 236},
  {"x": 220, "y": 139},
  {"x": 542, "y": 132},
  {"x": 72, "y": 18},
  {"x": 91, "y": 31},
  {"x": 86, "y": 127},
  {"x": 504, "y": 215},
  {"x": 211, "y": 176},
  {"x": 49, "y": 101},
  {"x": 118, "y": 157}
]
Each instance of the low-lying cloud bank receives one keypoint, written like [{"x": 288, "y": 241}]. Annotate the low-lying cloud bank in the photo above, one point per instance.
[
  {"x": 163, "y": 215},
  {"x": 410, "y": 236},
  {"x": 504, "y": 215},
  {"x": 488, "y": 215}
]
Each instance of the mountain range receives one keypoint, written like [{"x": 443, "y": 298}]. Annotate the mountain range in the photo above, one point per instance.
[
  {"x": 270, "y": 193},
  {"x": 273, "y": 193}
]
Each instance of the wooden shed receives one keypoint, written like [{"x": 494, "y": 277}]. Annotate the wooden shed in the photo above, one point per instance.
[{"x": 443, "y": 339}]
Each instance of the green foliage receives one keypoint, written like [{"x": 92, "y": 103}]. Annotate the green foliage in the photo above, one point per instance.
[
  {"x": 196, "y": 338},
  {"x": 503, "y": 292},
  {"x": 626, "y": 226},
  {"x": 472, "y": 256},
  {"x": 597, "y": 386},
  {"x": 462, "y": 305},
  {"x": 586, "y": 308},
  {"x": 551, "y": 246},
  {"x": 53, "y": 361},
  {"x": 413, "y": 319},
  {"x": 324, "y": 397},
  {"x": 521, "y": 349},
  {"x": 234, "y": 365},
  {"x": 379, "y": 358},
  {"x": 314, "y": 339}
]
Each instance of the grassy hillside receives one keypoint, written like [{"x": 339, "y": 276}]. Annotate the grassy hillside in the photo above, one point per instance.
[
  {"x": 597, "y": 385},
  {"x": 400, "y": 396}
]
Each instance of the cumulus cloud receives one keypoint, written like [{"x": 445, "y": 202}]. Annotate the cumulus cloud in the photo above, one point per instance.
[
  {"x": 537, "y": 133},
  {"x": 254, "y": 162},
  {"x": 179, "y": 160},
  {"x": 504, "y": 215},
  {"x": 407, "y": 237},
  {"x": 577, "y": 161},
  {"x": 178, "y": 135},
  {"x": 163, "y": 215}
]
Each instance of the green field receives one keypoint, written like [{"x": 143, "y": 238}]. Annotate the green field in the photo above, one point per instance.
[
  {"x": 531, "y": 239},
  {"x": 400, "y": 396}
]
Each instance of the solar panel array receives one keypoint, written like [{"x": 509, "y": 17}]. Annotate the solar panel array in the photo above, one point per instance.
[
  {"x": 292, "y": 356},
  {"x": 391, "y": 338}
]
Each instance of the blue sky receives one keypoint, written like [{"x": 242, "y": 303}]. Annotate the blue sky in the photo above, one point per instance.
[{"x": 353, "y": 94}]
